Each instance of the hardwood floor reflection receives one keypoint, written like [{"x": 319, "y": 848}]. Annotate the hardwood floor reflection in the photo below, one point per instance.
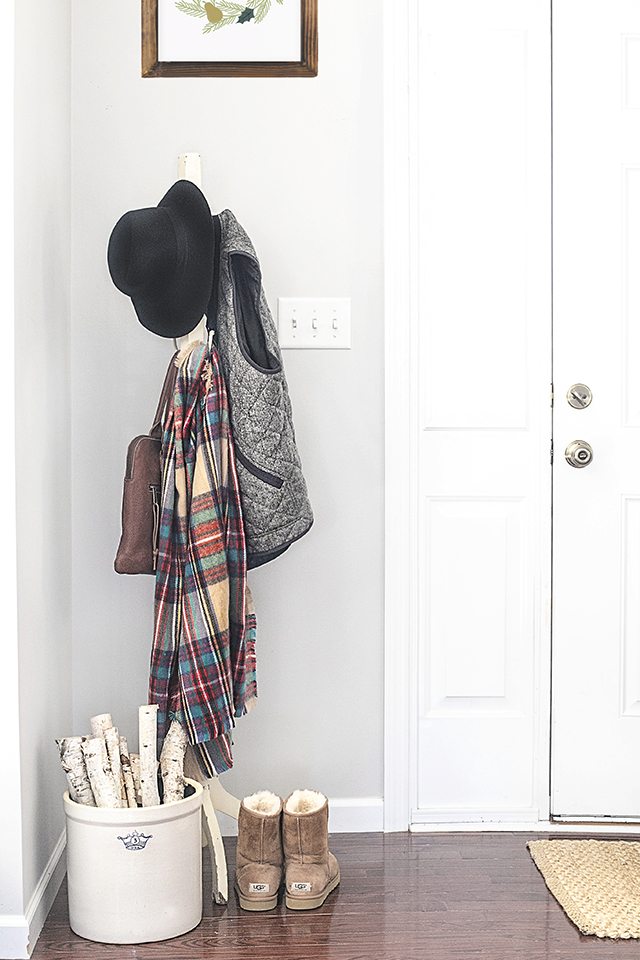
[{"x": 402, "y": 897}]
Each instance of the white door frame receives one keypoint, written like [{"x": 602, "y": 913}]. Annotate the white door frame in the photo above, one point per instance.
[
  {"x": 400, "y": 306},
  {"x": 401, "y": 450}
]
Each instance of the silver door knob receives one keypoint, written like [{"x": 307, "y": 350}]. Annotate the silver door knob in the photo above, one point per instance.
[{"x": 579, "y": 453}]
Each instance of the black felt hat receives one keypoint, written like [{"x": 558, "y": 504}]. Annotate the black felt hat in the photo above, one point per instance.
[{"x": 162, "y": 257}]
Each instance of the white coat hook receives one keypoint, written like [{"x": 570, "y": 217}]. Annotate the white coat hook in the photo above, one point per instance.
[{"x": 190, "y": 168}]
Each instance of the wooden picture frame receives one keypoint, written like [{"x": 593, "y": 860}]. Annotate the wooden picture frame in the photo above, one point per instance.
[{"x": 307, "y": 66}]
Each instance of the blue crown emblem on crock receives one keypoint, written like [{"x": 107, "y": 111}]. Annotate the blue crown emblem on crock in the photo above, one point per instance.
[{"x": 135, "y": 840}]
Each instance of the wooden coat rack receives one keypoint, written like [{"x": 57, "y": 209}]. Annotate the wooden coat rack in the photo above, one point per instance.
[{"x": 216, "y": 798}]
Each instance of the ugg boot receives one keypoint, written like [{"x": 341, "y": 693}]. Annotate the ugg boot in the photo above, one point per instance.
[
  {"x": 312, "y": 872},
  {"x": 259, "y": 851}
]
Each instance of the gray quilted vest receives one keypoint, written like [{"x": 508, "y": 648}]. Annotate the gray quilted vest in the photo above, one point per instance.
[{"x": 275, "y": 502}]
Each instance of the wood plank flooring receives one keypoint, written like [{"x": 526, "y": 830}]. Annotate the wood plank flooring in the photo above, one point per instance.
[{"x": 402, "y": 897}]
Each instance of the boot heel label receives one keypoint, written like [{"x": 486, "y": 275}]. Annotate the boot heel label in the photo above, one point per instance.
[
  {"x": 258, "y": 888},
  {"x": 300, "y": 887}
]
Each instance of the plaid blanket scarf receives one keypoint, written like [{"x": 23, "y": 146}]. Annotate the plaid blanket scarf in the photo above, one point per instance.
[{"x": 203, "y": 669}]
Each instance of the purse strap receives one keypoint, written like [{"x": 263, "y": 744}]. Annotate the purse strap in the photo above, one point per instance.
[
  {"x": 165, "y": 398},
  {"x": 212, "y": 309}
]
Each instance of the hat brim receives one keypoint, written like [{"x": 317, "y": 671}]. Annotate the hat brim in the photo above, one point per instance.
[{"x": 177, "y": 309}]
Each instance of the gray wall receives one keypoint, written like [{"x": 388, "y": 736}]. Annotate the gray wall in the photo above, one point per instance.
[
  {"x": 42, "y": 250},
  {"x": 299, "y": 162}
]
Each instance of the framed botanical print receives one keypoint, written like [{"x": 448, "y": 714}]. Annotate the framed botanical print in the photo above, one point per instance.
[{"x": 229, "y": 38}]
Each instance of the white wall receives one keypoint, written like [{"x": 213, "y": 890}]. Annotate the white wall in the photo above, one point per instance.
[
  {"x": 42, "y": 314},
  {"x": 12, "y": 927},
  {"x": 299, "y": 162}
]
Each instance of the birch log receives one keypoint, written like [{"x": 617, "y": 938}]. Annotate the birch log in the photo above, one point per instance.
[
  {"x": 134, "y": 759},
  {"x": 100, "y": 723},
  {"x": 100, "y": 773},
  {"x": 127, "y": 775},
  {"x": 148, "y": 733},
  {"x": 73, "y": 764},
  {"x": 172, "y": 763},
  {"x": 112, "y": 739}
]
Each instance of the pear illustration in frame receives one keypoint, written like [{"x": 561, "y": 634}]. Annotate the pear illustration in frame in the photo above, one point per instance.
[
  {"x": 222, "y": 13},
  {"x": 214, "y": 38}
]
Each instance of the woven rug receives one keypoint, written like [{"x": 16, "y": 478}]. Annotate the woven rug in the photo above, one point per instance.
[{"x": 596, "y": 882}]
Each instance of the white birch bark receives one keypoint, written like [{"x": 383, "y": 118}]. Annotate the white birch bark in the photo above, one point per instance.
[
  {"x": 112, "y": 739},
  {"x": 148, "y": 732},
  {"x": 127, "y": 774},
  {"x": 172, "y": 763},
  {"x": 72, "y": 760},
  {"x": 134, "y": 759},
  {"x": 100, "y": 773},
  {"x": 100, "y": 723}
]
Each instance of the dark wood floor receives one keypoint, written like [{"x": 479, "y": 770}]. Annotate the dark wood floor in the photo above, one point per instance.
[{"x": 402, "y": 897}]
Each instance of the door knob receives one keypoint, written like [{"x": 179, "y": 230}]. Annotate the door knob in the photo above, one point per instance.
[{"x": 579, "y": 453}]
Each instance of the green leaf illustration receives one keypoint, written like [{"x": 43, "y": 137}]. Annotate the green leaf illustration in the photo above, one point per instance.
[
  {"x": 229, "y": 9},
  {"x": 210, "y": 27},
  {"x": 222, "y": 13},
  {"x": 191, "y": 7},
  {"x": 261, "y": 10}
]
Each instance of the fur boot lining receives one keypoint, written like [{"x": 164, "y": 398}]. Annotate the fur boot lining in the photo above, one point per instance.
[
  {"x": 305, "y": 801},
  {"x": 263, "y": 802}
]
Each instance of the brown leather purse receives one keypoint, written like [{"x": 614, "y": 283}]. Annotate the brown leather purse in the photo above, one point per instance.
[{"x": 141, "y": 506}]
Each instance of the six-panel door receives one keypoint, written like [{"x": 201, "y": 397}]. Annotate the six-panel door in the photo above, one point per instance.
[{"x": 483, "y": 239}]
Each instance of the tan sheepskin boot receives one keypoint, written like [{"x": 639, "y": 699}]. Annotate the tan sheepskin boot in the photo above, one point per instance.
[
  {"x": 259, "y": 851},
  {"x": 312, "y": 872}
]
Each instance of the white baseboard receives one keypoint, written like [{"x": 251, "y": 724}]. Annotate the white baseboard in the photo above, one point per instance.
[
  {"x": 536, "y": 826},
  {"x": 45, "y": 892},
  {"x": 14, "y": 936},
  {"x": 19, "y": 932},
  {"x": 356, "y": 815},
  {"x": 346, "y": 815}
]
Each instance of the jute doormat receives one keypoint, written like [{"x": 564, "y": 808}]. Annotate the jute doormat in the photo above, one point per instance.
[{"x": 596, "y": 882}]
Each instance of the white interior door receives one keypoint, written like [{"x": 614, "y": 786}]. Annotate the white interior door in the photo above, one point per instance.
[
  {"x": 483, "y": 259},
  {"x": 596, "y": 618}
]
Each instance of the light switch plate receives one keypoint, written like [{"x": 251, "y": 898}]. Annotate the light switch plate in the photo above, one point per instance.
[{"x": 308, "y": 323}]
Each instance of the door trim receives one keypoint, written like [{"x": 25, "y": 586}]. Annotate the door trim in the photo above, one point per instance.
[
  {"x": 401, "y": 449},
  {"x": 400, "y": 619}
]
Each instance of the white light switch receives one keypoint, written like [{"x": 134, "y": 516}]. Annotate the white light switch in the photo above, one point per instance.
[{"x": 322, "y": 323}]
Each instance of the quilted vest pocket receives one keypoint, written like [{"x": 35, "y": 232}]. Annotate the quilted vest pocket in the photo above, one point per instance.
[{"x": 258, "y": 472}]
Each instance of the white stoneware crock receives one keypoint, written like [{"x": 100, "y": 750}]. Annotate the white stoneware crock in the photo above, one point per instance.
[{"x": 135, "y": 876}]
